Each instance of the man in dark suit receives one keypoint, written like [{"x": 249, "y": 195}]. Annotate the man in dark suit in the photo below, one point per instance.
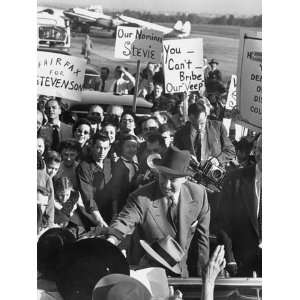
[
  {"x": 205, "y": 139},
  {"x": 170, "y": 206},
  {"x": 94, "y": 175},
  {"x": 214, "y": 73},
  {"x": 240, "y": 215},
  {"x": 55, "y": 131}
]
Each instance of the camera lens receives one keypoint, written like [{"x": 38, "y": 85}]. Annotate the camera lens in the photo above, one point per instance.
[{"x": 217, "y": 174}]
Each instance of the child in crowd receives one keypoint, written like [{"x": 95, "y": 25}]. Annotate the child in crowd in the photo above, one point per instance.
[
  {"x": 53, "y": 161},
  {"x": 45, "y": 196},
  {"x": 69, "y": 151},
  {"x": 40, "y": 145},
  {"x": 68, "y": 203}
]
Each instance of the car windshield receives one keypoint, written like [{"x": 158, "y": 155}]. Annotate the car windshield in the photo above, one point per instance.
[{"x": 52, "y": 33}]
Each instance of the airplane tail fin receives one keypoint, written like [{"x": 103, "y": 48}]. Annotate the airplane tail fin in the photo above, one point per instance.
[
  {"x": 185, "y": 28},
  {"x": 178, "y": 25}
]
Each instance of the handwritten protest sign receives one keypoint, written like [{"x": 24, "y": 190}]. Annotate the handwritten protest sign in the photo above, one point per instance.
[
  {"x": 249, "y": 88},
  {"x": 183, "y": 65},
  {"x": 231, "y": 97},
  {"x": 142, "y": 44},
  {"x": 231, "y": 101},
  {"x": 60, "y": 75}
]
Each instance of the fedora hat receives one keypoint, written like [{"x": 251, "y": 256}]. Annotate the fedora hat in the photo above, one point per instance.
[
  {"x": 175, "y": 162},
  {"x": 50, "y": 246},
  {"x": 120, "y": 286},
  {"x": 84, "y": 263},
  {"x": 213, "y": 61},
  {"x": 167, "y": 252}
]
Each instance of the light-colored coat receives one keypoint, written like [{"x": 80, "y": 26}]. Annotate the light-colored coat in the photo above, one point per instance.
[{"x": 146, "y": 211}]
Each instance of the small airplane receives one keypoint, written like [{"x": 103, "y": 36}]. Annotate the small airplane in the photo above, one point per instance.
[
  {"x": 83, "y": 19},
  {"x": 179, "y": 30}
]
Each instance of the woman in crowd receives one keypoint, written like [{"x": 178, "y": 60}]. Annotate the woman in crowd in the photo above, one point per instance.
[
  {"x": 110, "y": 129},
  {"x": 82, "y": 132},
  {"x": 167, "y": 133}
]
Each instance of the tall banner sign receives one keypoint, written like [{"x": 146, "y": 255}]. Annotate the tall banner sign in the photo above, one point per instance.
[
  {"x": 249, "y": 87},
  {"x": 60, "y": 75},
  {"x": 183, "y": 65}
]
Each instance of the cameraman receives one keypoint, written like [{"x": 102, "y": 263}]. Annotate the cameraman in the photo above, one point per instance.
[{"x": 205, "y": 139}]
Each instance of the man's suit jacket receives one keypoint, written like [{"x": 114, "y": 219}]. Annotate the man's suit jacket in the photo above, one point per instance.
[
  {"x": 94, "y": 186},
  {"x": 146, "y": 209},
  {"x": 238, "y": 218},
  {"x": 65, "y": 132},
  {"x": 121, "y": 187},
  {"x": 218, "y": 144}
]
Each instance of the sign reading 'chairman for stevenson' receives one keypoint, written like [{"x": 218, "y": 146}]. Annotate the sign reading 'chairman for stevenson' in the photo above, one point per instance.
[
  {"x": 60, "y": 75},
  {"x": 183, "y": 65},
  {"x": 142, "y": 44}
]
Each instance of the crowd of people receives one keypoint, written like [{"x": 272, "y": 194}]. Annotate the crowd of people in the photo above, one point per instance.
[{"x": 128, "y": 179}]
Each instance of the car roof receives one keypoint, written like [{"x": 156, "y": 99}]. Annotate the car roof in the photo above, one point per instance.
[
  {"x": 95, "y": 97},
  {"x": 53, "y": 50}
]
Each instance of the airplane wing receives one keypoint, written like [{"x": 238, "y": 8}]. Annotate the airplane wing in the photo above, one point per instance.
[
  {"x": 82, "y": 15},
  {"x": 141, "y": 23},
  {"x": 179, "y": 29}
]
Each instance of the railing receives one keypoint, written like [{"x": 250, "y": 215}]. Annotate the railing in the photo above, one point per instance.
[{"x": 225, "y": 288}]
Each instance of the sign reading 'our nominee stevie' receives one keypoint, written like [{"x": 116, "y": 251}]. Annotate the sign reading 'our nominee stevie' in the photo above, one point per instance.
[
  {"x": 183, "y": 65},
  {"x": 142, "y": 44},
  {"x": 60, "y": 75}
]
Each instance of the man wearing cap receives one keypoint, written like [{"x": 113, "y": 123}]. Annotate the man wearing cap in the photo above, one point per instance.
[
  {"x": 215, "y": 73},
  {"x": 170, "y": 206}
]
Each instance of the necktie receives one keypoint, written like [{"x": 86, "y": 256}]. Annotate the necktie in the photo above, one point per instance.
[
  {"x": 115, "y": 87},
  {"x": 171, "y": 213},
  {"x": 197, "y": 145},
  {"x": 103, "y": 86},
  {"x": 55, "y": 137}
]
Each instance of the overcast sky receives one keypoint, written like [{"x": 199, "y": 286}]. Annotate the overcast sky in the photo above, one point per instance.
[{"x": 248, "y": 7}]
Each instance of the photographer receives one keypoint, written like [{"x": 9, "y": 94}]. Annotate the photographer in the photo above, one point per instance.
[{"x": 205, "y": 139}]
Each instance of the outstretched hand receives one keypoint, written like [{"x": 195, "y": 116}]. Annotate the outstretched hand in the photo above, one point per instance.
[{"x": 216, "y": 264}]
